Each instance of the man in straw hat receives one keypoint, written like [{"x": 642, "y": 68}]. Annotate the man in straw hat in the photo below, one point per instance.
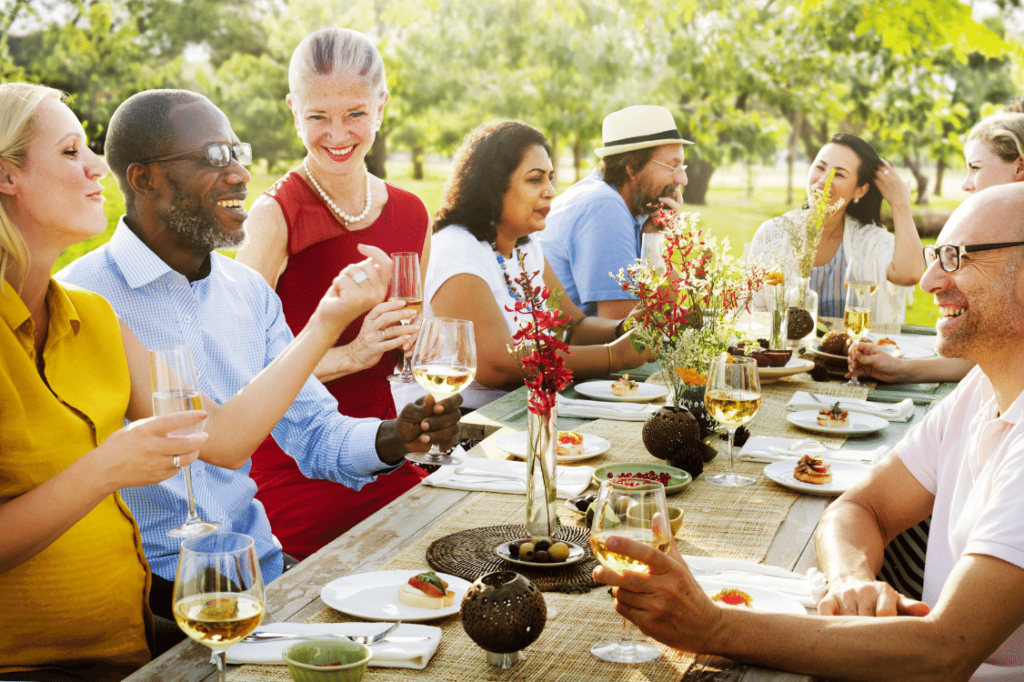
[{"x": 595, "y": 227}]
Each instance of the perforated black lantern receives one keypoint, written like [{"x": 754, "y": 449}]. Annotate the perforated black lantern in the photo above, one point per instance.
[{"x": 503, "y": 613}]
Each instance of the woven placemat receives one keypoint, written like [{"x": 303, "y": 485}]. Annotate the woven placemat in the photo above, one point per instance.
[{"x": 469, "y": 554}]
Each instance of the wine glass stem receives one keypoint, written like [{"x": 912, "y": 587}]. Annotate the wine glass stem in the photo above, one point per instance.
[
  {"x": 222, "y": 673},
  {"x": 732, "y": 434},
  {"x": 407, "y": 366},
  {"x": 193, "y": 517},
  {"x": 627, "y": 635}
]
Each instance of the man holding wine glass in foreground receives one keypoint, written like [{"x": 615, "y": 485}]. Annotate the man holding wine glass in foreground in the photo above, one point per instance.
[
  {"x": 964, "y": 464},
  {"x": 182, "y": 172}
]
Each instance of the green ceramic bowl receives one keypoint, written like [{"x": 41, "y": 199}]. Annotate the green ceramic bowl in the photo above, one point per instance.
[
  {"x": 678, "y": 479},
  {"x": 327, "y": 661},
  {"x": 675, "y": 518}
]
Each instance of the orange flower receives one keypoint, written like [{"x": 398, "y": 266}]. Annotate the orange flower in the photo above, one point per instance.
[
  {"x": 691, "y": 377},
  {"x": 774, "y": 278}
]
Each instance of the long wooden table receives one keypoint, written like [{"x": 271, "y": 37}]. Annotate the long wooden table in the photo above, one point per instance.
[{"x": 296, "y": 595}]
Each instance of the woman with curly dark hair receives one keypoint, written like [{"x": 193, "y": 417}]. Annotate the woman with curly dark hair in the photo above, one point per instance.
[{"x": 498, "y": 195}]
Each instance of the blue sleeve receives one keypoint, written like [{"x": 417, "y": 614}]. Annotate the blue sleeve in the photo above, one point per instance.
[
  {"x": 604, "y": 240},
  {"x": 324, "y": 443}
]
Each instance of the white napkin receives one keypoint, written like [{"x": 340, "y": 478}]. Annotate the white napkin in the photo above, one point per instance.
[
  {"x": 806, "y": 589},
  {"x": 385, "y": 654},
  {"x": 772, "y": 449},
  {"x": 898, "y": 412},
  {"x": 597, "y": 409},
  {"x": 571, "y": 480}
]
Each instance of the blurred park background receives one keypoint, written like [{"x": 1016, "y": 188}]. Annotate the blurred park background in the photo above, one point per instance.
[{"x": 759, "y": 85}]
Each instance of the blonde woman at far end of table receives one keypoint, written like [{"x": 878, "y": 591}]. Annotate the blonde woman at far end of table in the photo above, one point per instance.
[
  {"x": 994, "y": 154},
  {"x": 498, "y": 195}
]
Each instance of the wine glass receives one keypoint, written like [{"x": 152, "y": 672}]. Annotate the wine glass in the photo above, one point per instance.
[
  {"x": 444, "y": 363},
  {"x": 651, "y": 252},
  {"x": 733, "y": 397},
  {"x": 861, "y": 282},
  {"x": 218, "y": 591},
  {"x": 632, "y": 508},
  {"x": 176, "y": 389},
  {"x": 406, "y": 285}
]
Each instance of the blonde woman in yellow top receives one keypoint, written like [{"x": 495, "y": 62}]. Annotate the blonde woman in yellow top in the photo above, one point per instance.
[{"x": 73, "y": 579}]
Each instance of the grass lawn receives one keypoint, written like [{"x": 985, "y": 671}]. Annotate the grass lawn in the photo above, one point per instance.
[{"x": 734, "y": 209}]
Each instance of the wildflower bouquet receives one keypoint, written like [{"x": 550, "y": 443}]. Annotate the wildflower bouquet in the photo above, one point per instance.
[
  {"x": 691, "y": 311},
  {"x": 803, "y": 226}
]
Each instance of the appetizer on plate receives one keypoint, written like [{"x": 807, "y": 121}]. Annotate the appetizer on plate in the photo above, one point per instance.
[
  {"x": 812, "y": 469},
  {"x": 733, "y": 597},
  {"x": 886, "y": 341},
  {"x": 834, "y": 417},
  {"x": 426, "y": 591},
  {"x": 570, "y": 444},
  {"x": 624, "y": 386}
]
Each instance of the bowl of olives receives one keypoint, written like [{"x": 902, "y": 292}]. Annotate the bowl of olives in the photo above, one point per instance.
[{"x": 540, "y": 552}]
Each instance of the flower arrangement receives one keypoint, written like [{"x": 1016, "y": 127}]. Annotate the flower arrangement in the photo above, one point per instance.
[
  {"x": 803, "y": 226},
  {"x": 690, "y": 311},
  {"x": 539, "y": 339}
]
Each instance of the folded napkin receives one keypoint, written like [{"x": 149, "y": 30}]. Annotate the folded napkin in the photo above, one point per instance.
[
  {"x": 772, "y": 449},
  {"x": 899, "y": 412},
  {"x": 386, "y": 654},
  {"x": 597, "y": 409},
  {"x": 505, "y": 477},
  {"x": 807, "y": 589}
]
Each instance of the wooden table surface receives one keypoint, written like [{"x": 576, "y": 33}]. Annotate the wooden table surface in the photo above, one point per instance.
[{"x": 295, "y": 596}]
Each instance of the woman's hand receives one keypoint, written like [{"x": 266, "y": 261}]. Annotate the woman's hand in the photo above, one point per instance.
[
  {"x": 143, "y": 453},
  {"x": 382, "y": 332},
  {"x": 893, "y": 189},
  {"x": 356, "y": 289}
]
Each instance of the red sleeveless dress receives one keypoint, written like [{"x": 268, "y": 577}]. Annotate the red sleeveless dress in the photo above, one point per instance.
[{"x": 306, "y": 514}]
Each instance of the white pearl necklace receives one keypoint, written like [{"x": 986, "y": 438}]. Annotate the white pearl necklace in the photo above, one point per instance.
[{"x": 345, "y": 217}]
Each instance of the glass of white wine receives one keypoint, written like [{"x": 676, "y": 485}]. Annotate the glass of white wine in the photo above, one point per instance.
[
  {"x": 218, "y": 591},
  {"x": 444, "y": 363},
  {"x": 406, "y": 285},
  {"x": 635, "y": 509},
  {"x": 733, "y": 397},
  {"x": 176, "y": 389},
  {"x": 651, "y": 245},
  {"x": 861, "y": 284}
]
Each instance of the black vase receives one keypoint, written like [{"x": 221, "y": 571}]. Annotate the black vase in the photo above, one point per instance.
[{"x": 693, "y": 400}]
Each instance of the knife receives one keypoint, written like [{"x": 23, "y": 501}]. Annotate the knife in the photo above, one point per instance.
[{"x": 265, "y": 636}]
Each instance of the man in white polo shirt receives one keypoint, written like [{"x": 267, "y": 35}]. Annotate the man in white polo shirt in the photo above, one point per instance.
[{"x": 964, "y": 464}]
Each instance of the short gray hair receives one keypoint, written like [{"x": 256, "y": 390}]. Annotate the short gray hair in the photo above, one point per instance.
[{"x": 339, "y": 52}]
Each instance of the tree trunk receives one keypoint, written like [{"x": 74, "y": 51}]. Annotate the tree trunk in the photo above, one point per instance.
[
  {"x": 378, "y": 156},
  {"x": 940, "y": 170},
  {"x": 417, "y": 163},
  {"x": 920, "y": 178},
  {"x": 698, "y": 174},
  {"x": 791, "y": 155},
  {"x": 577, "y": 157}
]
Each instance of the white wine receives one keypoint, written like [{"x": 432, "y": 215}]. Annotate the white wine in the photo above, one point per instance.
[
  {"x": 443, "y": 381},
  {"x": 218, "y": 620},
  {"x": 732, "y": 407},
  {"x": 411, "y": 303},
  {"x": 619, "y": 562},
  {"x": 863, "y": 289},
  {"x": 177, "y": 400},
  {"x": 857, "y": 322}
]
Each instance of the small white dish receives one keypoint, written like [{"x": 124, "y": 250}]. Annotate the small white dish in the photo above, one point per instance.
[
  {"x": 602, "y": 390},
  {"x": 575, "y": 554},
  {"x": 374, "y": 596},
  {"x": 794, "y": 366},
  {"x": 515, "y": 445},
  {"x": 765, "y": 600},
  {"x": 860, "y": 424},
  {"x": 844, "y": 476}
]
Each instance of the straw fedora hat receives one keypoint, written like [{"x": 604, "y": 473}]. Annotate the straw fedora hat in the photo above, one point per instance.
[{"x": 637, "y": 128}]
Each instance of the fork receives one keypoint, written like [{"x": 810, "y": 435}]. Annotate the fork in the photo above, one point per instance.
[
  {"x": 712, "y": 571},
  {"x": 358, "y": 639}
]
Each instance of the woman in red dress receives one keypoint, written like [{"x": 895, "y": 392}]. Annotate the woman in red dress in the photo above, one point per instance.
[{"x": 301, "y": 233}]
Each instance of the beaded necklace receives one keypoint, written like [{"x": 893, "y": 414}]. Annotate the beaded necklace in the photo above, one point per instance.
[{"x": 345, "y": 217}]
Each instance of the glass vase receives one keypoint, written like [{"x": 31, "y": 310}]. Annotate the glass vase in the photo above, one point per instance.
[
  {"x": 778, "y": 335},
  {"x": 802, "y": 313},
  {"x": 541, "y": 463}
]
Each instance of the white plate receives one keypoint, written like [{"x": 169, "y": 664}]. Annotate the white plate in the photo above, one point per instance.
[
  {"x": 575, "y": 554},
  {"x": 374, "y": 596},
  {"x": 515, "y": 444},
  {"x": 768, "y": 601},
  {"x": 816, "y": 350},
  {"x": 602, "y": 390},
  {"x": 860, "y": 424},
  {"x": 844, "y": 476},
  {"x": 794, "y": 366}
]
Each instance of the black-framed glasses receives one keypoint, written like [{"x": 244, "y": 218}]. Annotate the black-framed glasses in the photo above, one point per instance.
[
  {"x": 218, "y": 154},
  {"x": 676, "y": 170},
  {"x": 948, "y": 255}
]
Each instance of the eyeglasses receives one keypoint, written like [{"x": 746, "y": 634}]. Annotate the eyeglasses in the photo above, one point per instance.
[
  {"x": 948, "y": 255},
  {"x": 676, "y": 170},
  {"x": 218, "y": 154}
]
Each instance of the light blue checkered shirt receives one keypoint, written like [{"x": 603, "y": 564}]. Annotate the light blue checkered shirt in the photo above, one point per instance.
[{"x": 233, "y": 322}]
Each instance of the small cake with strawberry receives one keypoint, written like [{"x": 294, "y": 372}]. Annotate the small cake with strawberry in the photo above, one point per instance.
[
  {"x": 570, "y": 444},
  {"x": 733, "y": 597},
  {"x": 833, "y": 417},
  {"x": 812, "y": 469},
  {"x": 624, "y": 386},
  {"x": 426, "y": 591}
]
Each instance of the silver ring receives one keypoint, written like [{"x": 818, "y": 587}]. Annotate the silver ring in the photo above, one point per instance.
[
  {"x": 360, "y": 277},
  {"x": 885, "y": 172},
  {"x": 176, "y": 462},
  {"x": 383, "y": 335}
]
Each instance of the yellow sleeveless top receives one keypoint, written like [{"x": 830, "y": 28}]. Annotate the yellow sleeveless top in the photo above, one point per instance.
[{"x": 82, "y": 603}]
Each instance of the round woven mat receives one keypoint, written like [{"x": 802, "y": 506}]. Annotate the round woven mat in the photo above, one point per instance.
[{"x": 470, "y": 554}]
